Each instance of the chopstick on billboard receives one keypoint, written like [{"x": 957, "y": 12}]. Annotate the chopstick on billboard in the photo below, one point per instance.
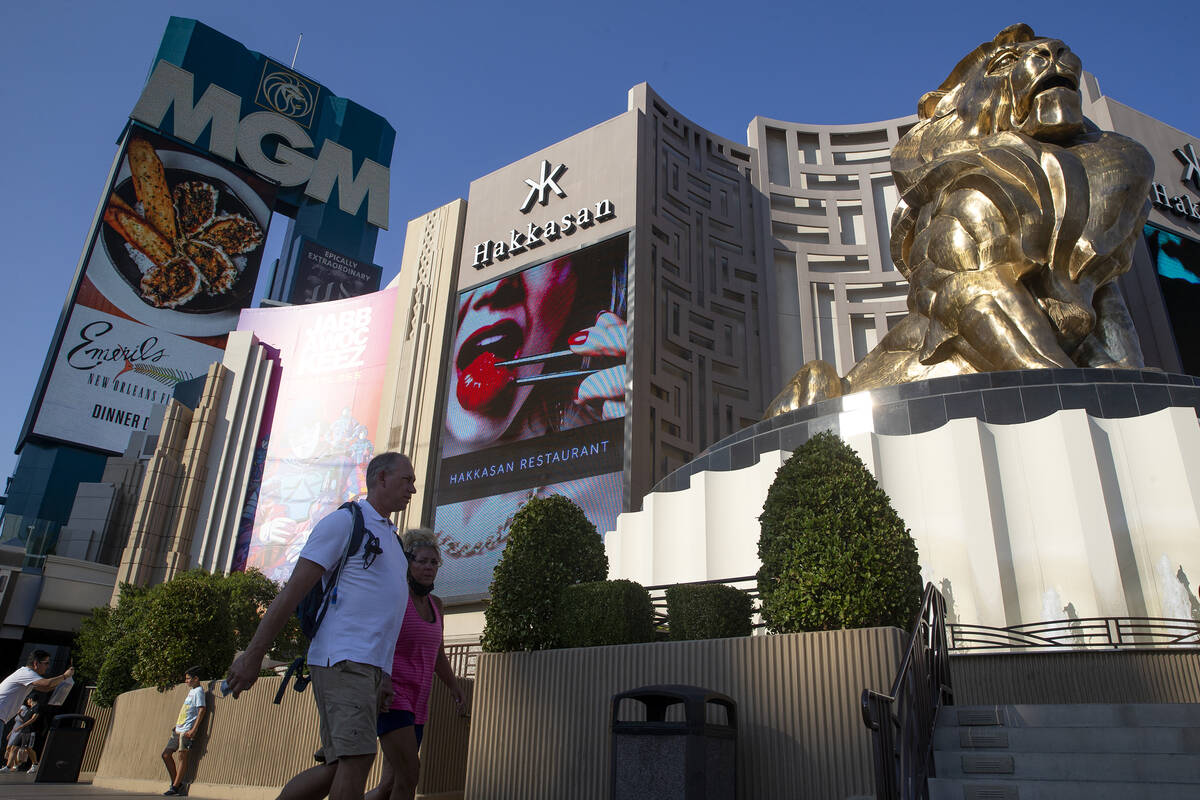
[
  {"x": 551, "y": 376},
  {"x": 537, "y": 358}
]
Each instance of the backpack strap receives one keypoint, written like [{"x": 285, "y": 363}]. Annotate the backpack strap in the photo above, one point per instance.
[{"x": 357, "y": 533}]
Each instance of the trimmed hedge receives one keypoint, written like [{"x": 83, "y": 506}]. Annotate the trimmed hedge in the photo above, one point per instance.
[
  {"x": 605, "y": 612},
  {"x": 707, "y": 611},
  {"x": 155, "y": 633},
  {"x": 834, "y": 552},
  {"x": 186, "y": 622},
  {"x": 551, "y": 545},
  {"x": 250, "y": 593}
]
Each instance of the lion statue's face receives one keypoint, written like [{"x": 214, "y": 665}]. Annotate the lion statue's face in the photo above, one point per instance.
[{"x": 1017, "y": 82}]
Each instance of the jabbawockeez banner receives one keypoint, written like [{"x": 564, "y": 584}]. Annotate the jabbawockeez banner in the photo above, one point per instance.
[
  {"x": 173, "y": 261},
  {"x": 332, "y": 357}
]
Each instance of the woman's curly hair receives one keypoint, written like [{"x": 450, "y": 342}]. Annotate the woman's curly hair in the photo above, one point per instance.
[{"x": 420, "y": 537}]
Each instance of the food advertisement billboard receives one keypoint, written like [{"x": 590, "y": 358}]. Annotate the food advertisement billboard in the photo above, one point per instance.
[
  {"x": 535, "y": 406},
  {"x": 170, "y": 265},
  {"x": 332, "y": 360}
]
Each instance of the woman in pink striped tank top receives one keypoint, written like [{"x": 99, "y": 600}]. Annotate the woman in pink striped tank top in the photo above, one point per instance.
[{"x": 419, "y": 656}]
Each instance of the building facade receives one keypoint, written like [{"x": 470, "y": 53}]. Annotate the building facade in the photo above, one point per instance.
[{"x": 711, "y": 269}]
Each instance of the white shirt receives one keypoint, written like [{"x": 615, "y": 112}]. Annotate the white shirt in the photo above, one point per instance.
[
  {"x": 190, "y": 710},
  {"x": 365, "y": 621},
  {"x": 15, "y": 688}
]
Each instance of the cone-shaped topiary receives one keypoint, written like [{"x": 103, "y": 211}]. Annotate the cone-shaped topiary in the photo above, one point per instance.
[
  {"x": 551, "y": 545},
  {"x": 834, "y": 552}
]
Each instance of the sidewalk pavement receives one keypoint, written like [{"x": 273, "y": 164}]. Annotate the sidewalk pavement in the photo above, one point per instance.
[{"x": 21, "y": 787}]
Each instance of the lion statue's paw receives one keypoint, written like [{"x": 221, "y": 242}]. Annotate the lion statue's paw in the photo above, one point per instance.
[{"x": 815, "y": 381}]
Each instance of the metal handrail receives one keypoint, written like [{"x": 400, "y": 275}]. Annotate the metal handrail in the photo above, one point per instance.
[
  {"x": 902, "y": 721},
  {"x": 463, "y": 658},
  {"x": 1085, "y": 632}
]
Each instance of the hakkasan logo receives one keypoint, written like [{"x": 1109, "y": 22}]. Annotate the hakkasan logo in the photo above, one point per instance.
[
  {"x": 1183, "y": 205},
  {"x": 287, "y": 93},
  {"x": 539, "y": 190},
  {"x": 534, "y": 235}
]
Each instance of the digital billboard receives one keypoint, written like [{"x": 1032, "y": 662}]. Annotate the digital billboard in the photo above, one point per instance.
[
  {"x": 219, "y": 134},
  {"x": 1177, "y": 261},
  {"x": 535, "y": 405},
  {"x": 324, "y": 274},
  {"x": 168, "y": 268},
  {"x": 332, "y": 360}
]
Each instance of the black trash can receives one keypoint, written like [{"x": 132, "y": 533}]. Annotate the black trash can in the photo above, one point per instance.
[
  {"x": 688, "y": 759},
  {"x": 65, "y": 746}
]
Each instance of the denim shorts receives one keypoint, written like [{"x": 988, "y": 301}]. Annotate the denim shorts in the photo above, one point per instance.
[{"x": 394, "y": 720}]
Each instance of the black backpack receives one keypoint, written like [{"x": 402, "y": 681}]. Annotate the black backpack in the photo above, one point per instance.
[{"x": 313, "y": 606}]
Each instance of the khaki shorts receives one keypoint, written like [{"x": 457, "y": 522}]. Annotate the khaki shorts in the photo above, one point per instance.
[
  {"x": 178, "y": 742},
  {"x": 347, "y": 696}
]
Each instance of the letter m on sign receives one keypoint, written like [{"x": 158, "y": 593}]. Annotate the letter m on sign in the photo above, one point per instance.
[{"x": 171, "y": 86}]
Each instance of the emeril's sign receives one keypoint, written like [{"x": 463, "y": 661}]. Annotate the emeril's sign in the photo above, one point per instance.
[
  {"x": 232, "y": 135},
  {"x": 535, "y": 235}
]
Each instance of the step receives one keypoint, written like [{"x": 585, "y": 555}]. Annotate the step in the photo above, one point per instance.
[
  {"x": 1150, "y": 768},
  {"x": 1128, "y": 715},
  {"x": 1068, "y": 740},
  {"x": 949, "y": 789}
]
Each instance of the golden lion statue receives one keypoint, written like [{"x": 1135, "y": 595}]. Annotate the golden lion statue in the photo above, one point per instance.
[{"x": 1016, "y": 216}]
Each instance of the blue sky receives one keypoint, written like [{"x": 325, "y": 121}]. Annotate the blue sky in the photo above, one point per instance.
[{"x": 471, "y": 87}]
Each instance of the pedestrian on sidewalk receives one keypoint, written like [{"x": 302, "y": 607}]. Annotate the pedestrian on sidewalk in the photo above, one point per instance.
[
  {"x": 183, "y": 735},
  {"x": 23, "y": 739},
  {"x": 350, "y": 656}
]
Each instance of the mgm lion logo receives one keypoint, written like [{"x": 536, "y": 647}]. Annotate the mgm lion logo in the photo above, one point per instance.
[{"x": 1016, "y": 216}]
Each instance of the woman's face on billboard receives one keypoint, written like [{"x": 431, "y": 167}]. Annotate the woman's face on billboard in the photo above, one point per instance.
[{"x": 520, "y": 315}]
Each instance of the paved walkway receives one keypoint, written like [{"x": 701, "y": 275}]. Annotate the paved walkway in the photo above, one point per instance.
[{"x": 22, "y": 787}]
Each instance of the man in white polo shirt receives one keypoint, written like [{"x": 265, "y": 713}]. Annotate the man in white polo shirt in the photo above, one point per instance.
[
  {"x": 350, "y": 658},
  {"x": 17, "y": 686}
]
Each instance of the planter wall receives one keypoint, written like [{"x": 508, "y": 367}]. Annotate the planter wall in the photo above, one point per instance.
[
  {"x": 1080, "y": 676},
  {"x": 251, "y": 747},
  {"x": 541, "y": 728}
]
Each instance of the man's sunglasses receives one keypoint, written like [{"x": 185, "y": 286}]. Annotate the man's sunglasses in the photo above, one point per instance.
[{"x": 371, "y": 550}]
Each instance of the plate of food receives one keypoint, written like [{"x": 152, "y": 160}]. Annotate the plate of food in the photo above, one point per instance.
[{"x": 183, "y": 238}]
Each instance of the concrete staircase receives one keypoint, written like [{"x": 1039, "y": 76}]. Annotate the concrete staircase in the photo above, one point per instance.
[{"x": 1067, "y": 752}]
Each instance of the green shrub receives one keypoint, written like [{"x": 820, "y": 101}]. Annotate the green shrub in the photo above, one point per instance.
[
  {"x": 551, "y": 545},
  {"x": 154, "y": 634},
  {"x": 605, "y": 612},
  {"x": 834, "y": 552},
  {"x": 250, "y": 593},
  {"x": 116, "y": 674},
  {"x": 186, "y": 621},
  {"x": 91, "y": 644},
  {"x": 707, "y": 611},
  {"x": 107, "y": 644}
]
